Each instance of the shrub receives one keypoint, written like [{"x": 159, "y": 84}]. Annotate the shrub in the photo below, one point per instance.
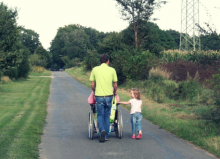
[
  {"x": 159, "y": 72},
  {"x": 190, "y": 89},
  {"x": 12, "y": 73},
  {"x": 37, "y": 69},
  {"x": 132, "y": 64},
  {"x": 180, "y": 68},
  {"x": 5, "y": 79},
  {"x": 24, "y": 68}
]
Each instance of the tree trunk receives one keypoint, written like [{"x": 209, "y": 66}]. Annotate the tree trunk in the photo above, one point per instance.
[{"x": 136, "y": 35}]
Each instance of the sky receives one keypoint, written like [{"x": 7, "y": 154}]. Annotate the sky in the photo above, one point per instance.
[{"x": 45, "y": 17}]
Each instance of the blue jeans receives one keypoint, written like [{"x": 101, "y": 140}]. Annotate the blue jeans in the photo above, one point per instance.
[
  {"x": 103, "y": 105},
  {"x": 136, "y": 119}
]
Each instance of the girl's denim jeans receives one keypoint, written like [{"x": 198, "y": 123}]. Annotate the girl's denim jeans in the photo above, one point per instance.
[{"x": 136, "y": 119}]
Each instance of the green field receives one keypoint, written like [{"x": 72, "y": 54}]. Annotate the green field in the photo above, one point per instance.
[{"x": 23, "y": 106}]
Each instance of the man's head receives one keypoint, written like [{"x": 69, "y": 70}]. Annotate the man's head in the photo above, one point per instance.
[{"x": 104, "y": 58}]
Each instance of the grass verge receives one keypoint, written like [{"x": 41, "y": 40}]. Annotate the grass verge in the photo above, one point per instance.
[
  {"x": 23, "y": 110},
  {"x": 181, "y": 119},
  {"x": 44, "y": 73}
]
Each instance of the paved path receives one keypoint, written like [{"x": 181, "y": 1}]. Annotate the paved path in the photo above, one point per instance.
[{"x": 65, "y": 134}]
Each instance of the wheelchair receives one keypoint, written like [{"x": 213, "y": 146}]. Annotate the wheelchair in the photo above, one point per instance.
[{"x": 116, "y": 123}]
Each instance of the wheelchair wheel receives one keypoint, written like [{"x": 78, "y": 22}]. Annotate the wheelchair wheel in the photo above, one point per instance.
[
  {"x": 91, "y": 125},
  {"x": 120, "y": 125}
]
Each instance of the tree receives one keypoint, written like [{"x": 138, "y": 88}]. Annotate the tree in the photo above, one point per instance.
[
  {"x": 71, "y": 41},
  {"x": 9, "y": 31},
  {"x": 153, "y": 38},
  {"x": 176, "y": 36},
  {"x": 44, "y": 57},
  {"x": 30, "y": 39},
  {"x": 137, "y": 11}
]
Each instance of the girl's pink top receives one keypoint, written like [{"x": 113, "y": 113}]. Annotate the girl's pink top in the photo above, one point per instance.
[
  {"x": 91, "y": 99},
  {"x": 135, "y": 105}
]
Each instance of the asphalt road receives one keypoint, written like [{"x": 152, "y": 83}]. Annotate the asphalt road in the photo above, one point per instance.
[{"x": 65, "y": 134}]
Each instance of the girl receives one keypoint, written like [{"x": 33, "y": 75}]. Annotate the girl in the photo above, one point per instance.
[{"x": 136, "y": 116}]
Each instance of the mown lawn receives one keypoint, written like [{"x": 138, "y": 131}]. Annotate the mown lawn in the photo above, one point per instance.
[
  {"x": 181, "y": 119},
  {"x": 23, "y": 106},
  {"x": 44, "y": 73}
]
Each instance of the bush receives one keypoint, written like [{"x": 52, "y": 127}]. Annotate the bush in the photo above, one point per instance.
[
  {"x": 180, "y": 68},
  {"x": 5, "y": 79},
  {"x": 24, "y": 68},
  {"x": 12, "y": 73},
  {"x": 37, "y": 69},
  {"x": 190, "y": 89},
  {"x": 159, "y": 72},
  {"x": 132, "y": 64}
]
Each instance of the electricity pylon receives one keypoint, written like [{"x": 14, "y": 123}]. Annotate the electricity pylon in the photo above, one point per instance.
[{"x": 190, "y": 35}]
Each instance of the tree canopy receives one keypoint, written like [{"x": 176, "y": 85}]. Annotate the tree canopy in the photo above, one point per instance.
[{"x": 137, "y": 11}]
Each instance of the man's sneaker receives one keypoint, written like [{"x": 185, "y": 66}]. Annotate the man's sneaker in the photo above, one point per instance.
[
  {"x": 102, "y": 136},
  {"x": 106, "y": 139},
  {"x": 133, "y": 136},
  {"x": 139, "y": 136}
]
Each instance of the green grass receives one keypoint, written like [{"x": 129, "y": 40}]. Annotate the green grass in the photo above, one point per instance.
[
  {"x": 22, "y": 115},
  {"x": 182, "y": 119},
  {"x": 44, "y": 73}
]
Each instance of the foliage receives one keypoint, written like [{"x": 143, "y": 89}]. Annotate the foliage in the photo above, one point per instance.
[
  {"x": 72, "y": 41},
  {"x": 30, "y": 39},
  {"x": 91, "y": 60},
  {"x": 70, "y": 63},
  {"x": 37, "y": 69},
  {"x": 151, "y": 38},
  {"x": 9, "y": 31},
  {"x": 132, "y": 64},
  {"x": 190, "y": 89},
  {"x": 43, "y": 59},
  {"x": 214, "y": 84},
  {"x": 176, "y": 36},
  {"x": 14, "y": 56},
  {"x": 193, "y": 56},
  {"x": 24, "y": 65},
  {"x": 112, "y": 42},
  {"x": 136, "y": 11},
  {"x": 12, "y": 73},
  {"x": 158, "y": 72}
]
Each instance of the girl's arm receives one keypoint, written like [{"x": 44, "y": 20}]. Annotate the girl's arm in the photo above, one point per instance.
[{"x": 124, "y": 102}]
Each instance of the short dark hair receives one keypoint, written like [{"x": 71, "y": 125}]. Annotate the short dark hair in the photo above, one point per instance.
[{"x": 104, "y": 58}]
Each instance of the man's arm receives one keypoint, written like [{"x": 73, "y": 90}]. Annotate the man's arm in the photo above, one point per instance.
[
  {"x": 115, "y": 87},
  {"x": 93, "y": 86}
]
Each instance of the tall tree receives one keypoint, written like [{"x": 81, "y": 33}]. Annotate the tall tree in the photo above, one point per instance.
[
  {"x": 9, "y": 31},
  {"x": 136, "y": 11},
  {"x": 30, "y": 39}
]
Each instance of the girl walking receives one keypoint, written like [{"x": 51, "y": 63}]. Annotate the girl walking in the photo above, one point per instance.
[{"x": 136, "y": 115}]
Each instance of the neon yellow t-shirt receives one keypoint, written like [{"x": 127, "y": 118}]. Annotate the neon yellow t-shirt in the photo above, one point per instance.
[{"x": 103, "y": 76}]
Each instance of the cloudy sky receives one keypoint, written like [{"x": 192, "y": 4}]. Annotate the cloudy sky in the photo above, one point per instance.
[{"x": 46, "y": 16}]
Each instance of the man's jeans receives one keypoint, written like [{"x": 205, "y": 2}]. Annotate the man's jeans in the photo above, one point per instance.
[
  {"x": 136, "y": 119},
  {"x": 103, "y": 105}
]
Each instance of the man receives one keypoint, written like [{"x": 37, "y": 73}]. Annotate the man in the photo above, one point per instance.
[{"x": 102, "y": 77}]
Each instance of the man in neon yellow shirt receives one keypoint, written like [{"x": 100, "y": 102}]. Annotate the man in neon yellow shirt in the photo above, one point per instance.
[{"x": 102, "y": 79}]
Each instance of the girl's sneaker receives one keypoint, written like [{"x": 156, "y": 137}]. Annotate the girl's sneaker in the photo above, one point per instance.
[
  {"x": 139, "y": 136},
  {"x": 133, "y": 136}
]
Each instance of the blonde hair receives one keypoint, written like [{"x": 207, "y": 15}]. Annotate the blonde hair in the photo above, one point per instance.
[{"x": 136, "y": 92}]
